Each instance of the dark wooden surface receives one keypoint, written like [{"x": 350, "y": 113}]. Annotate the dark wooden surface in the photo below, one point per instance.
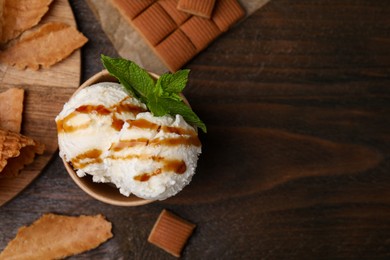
[{"x": 296, "y": 163}]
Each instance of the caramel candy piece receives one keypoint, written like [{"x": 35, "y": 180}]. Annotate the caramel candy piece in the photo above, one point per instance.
[
  {"x": 171, "y": 233},
  {"x": 195, "y": 25},
  {"x": 176, "y": 50},
  {"x": 11, "y": 108},
  {"x": 154, "y": 24},
  {"x": 56, "y": 236},
  {"x": 202, "y": 8},
  {"x": 170, "y": 7},
  {"x": 227, "y": 13},
  {"x": 130, "y": 8},
  {"x": 49, "y": 44}
]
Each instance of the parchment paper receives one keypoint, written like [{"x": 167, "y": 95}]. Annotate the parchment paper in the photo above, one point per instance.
[{"x": 129, "y": 43}]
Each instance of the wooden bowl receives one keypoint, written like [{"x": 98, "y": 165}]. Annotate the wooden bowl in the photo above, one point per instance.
[{"x": 102, "y": 191}]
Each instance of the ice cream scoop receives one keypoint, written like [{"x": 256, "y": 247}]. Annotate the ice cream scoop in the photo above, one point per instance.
[{"x": 105, "y": 133}]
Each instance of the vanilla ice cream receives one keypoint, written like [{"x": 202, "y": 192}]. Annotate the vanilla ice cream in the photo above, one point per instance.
[{"x": 104, "y": 132}]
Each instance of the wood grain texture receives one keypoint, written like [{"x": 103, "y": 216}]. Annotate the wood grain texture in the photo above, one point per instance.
[
  {"x": 46, "y": 91},
  {"x": 295, "y": 164}
]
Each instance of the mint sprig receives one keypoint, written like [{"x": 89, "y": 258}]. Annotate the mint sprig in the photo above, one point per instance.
[{"x": 162, "y": 96}]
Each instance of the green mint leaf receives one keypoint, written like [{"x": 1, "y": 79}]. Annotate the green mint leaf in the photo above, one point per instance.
[
  {"x": 161, "y": 97},
  {"x": 135, "y": 79},
  {"x": 156, "y": 107},
  {"x": 179, "y": 107},
  {"x": 174, "y": 83}
]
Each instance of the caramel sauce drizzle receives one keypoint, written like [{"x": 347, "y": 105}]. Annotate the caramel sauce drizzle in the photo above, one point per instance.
[
  {"x": 168, "y": 165},
  {"x": 90, "y": 157},
  {"x": 176, "y": 166},
  {"x": 121, "y": 107}
]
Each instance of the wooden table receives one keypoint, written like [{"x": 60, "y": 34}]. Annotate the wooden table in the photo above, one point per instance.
[{"x": 296, "y": 163}]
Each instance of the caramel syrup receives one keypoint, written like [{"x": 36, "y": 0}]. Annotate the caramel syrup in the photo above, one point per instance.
[
  {"x": 92, "y": 156},
  {"x": 176, "y": 166},
  {"x": 62, "y": 125}
]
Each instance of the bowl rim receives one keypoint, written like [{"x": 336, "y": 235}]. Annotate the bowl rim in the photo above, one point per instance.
[{"x": 103, "y": 76}]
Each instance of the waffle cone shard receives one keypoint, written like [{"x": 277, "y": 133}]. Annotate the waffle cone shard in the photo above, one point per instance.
[
  {"x": 16, "y": 151},
  {"x": 45, "y": 46},
  {"x": 20, "y": 15},
  {"x": 11, "y": 109},
  {"x": 56, "y": 236}
]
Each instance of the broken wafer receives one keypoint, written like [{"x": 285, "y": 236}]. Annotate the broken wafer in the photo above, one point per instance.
[
  {"x": 171, "y": 232},
  {"x": 49, "y": 44},
  {"x": 16, "y": 151},
  {"x": 202, "y": 8},
  {"x": 11, "y": 108},
  {"x": 21, "y": 15},
  {"x": 56, "y": 236}
]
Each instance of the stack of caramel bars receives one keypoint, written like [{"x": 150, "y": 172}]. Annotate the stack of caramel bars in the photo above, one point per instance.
[{"x": 177, "y": 30}]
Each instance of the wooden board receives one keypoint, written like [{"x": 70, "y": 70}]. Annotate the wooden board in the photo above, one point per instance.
[{"x": 46, "y": 91}]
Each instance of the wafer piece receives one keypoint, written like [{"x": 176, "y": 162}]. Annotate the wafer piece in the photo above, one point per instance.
[
  {"x": 171, "y": 233},
  {"x": 20, "y": 15},
  {"x": 16, "y": 151},
  {"x": 226, "y": 13},
  {"x": 49, "y": 44},
  {"x": 56, "y": 236},
  {"x": 11, "y": 108},
  {"x": 202, "y": 8}
]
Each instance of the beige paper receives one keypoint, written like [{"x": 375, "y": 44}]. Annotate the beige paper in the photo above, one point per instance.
[{"x": 129, "y": 43}]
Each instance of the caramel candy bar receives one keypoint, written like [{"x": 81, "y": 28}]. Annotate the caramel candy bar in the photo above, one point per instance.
[
  {"x": 202, "y": 8},
  {"x": 171, "y": 232},
  {"x": 176, "y": 36}
]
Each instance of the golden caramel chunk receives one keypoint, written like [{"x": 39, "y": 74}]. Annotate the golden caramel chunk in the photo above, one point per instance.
[
  {"x": 56, "y": 236},
  {"x": 11, "y": 108},
  {"x": 49, "y": 44},
  {"x": 171, "y": 232}
]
